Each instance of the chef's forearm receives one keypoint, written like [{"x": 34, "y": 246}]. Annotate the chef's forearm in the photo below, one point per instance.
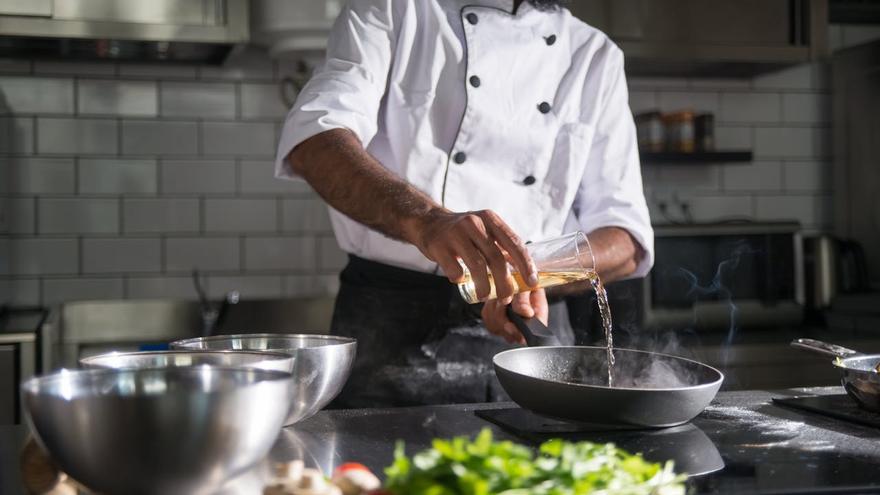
[
  {"x": 617, "y": 256},
  {"x": 616, "y": 252},
  {"x": 350, "y": 180}
]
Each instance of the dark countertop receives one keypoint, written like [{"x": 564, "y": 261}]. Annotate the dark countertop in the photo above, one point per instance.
[{"x": 765, "y": 448}]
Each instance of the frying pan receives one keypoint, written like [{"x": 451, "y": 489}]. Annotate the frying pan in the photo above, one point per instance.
[
  {"x": 651, "y": 390},
  {"x": 858, "y": 372}
]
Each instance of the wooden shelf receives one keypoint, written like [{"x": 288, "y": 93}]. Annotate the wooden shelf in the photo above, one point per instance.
[{"x": 673, "y": 157}]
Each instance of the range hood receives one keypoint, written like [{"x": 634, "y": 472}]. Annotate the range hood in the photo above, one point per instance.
[{"x": 172, "y": 30}]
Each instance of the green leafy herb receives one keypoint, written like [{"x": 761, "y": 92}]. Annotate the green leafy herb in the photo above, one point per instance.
[{"x": 485, "y": 467}]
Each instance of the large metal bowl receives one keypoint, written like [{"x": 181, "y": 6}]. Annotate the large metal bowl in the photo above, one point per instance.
[
  {"x": 320, "y": 368},
  {"x": 157, "y": 431},
  {"x": 277, "y": 361}
]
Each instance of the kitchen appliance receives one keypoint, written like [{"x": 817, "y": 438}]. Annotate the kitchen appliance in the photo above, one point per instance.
[
  {"x": 838, "y": 406},
  {"x": 276, "y": 361},
  {"x": 721, "y": 275},
  {"x": 833, "y": 266},
  {"x": 19, "y": 359},
  {"x": 172, "y": 431},
  {"x": 858, "y": 372},
  {"x": 686, "y": 445},
  {"x": 321, "y": 364},
  {"x": 172, "y": 30},
  {"x": 569, "y": 382}
]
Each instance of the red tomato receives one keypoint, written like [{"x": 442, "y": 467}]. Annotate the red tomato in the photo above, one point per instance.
[{"x": 351, "y": 466}]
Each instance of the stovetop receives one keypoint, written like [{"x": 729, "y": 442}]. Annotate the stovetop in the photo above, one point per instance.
[
  {"x": 686, "y": 445},
  {"x": 836, "y": 406},
  {"x": 736, "y": 447}
]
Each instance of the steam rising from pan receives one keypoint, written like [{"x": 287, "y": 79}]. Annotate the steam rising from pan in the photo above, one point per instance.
[{"x": 633, "y": 369}]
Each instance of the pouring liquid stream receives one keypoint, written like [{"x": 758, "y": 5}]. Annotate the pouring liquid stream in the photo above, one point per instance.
[
  {"x": 605, "y": 313},
  {"x": 549, "y": 279}
]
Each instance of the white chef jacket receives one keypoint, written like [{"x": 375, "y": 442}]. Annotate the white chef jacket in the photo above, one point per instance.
[{"x": 523, "y": 113}]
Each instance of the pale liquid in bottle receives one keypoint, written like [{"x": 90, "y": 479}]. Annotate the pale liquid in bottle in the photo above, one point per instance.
[{"x": 549, "y": 279}]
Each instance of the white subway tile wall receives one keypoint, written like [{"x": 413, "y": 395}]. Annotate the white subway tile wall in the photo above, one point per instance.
[
  {"x": 77, "y": 216},
  {"x": 155, "y": 137},
  {"x": 19, "y": 215},
  {"x": 241, "y": 215},
  {"x": 273, "y": 253},
  {"x": 198, "y": 99},
  {"x": 77, "y": 136},
  {"x": 23, "y": 291},
  {"x": 117, "y": 180},
  {"x": 239, "y": 138},
  {"x": 121, "y": 255},
  {"x": 106, "y": 97},
  {"x": 16, "y": 135},
  {"x": 31, "y": 175},
  {"x": 29, "y": 95},
  {"x": 160, "y": 288},
  {"x": 160, "y": 215},
  {"x": 205, "y": 254},
  {"x": 81, "y": 289},
  {"x": 198, "y": 177},
  {"x": 255, "y": 286},
  {"x": 117, "y": 176}
]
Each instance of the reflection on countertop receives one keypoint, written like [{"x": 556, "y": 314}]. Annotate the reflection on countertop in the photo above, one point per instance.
[{"x": 765, "y": 448}]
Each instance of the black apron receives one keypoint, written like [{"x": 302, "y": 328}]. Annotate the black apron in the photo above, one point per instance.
[{"x": 418, "y": 341}]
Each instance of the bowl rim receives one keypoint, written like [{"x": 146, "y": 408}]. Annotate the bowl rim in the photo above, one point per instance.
[
  {"x": 264, "y": 355},
  {"x": 32, "y": 385},
  {"x": 716, "y": 382},
  {"x": 334, "y": 340}
]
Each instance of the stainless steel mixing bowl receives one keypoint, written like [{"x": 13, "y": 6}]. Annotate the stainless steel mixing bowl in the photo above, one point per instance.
[
  {"x": 278, "y": 361},
  {"x": 157, "y": 431},
  {"x": 320, "y": 368}
]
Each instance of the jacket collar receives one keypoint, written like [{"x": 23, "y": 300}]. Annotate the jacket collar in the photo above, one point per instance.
[{"x": 505, "y": 5}]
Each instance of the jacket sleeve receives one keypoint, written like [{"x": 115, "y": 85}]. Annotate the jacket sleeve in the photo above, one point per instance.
[
  {"x": 346, "y": 91},
  {"x": 610, "y": 193}
]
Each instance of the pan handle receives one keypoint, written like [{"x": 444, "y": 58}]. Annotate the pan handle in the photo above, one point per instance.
[
  {"x": 819, "y": 347},
  {"x": 533, "y": 330}
]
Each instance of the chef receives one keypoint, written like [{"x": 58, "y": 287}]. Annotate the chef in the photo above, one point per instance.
[{"x": 442, "y": 132}]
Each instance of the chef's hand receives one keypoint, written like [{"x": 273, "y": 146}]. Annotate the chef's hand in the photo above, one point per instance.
[
  {"x": 526, "y": 304},
  {"x": 482, "y": 241}
]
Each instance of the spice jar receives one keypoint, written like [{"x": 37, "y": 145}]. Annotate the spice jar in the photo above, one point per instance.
[
  {"x": 704, "y": 132},
  {"x": 679, "y": 131},
  {"x": 650, "y": 132}
]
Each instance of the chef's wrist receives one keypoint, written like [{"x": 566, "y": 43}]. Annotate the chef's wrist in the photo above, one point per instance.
[{"x": 417, "y": 224}]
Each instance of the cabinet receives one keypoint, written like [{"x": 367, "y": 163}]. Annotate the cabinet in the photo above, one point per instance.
[{"x": 711, "y": 37}]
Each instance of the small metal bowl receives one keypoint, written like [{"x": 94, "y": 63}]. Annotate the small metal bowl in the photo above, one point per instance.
[
  {"x": 277, "y": 361},
  {"x": 184, "y": 430},
  {"x": 321, "y": 364}
]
